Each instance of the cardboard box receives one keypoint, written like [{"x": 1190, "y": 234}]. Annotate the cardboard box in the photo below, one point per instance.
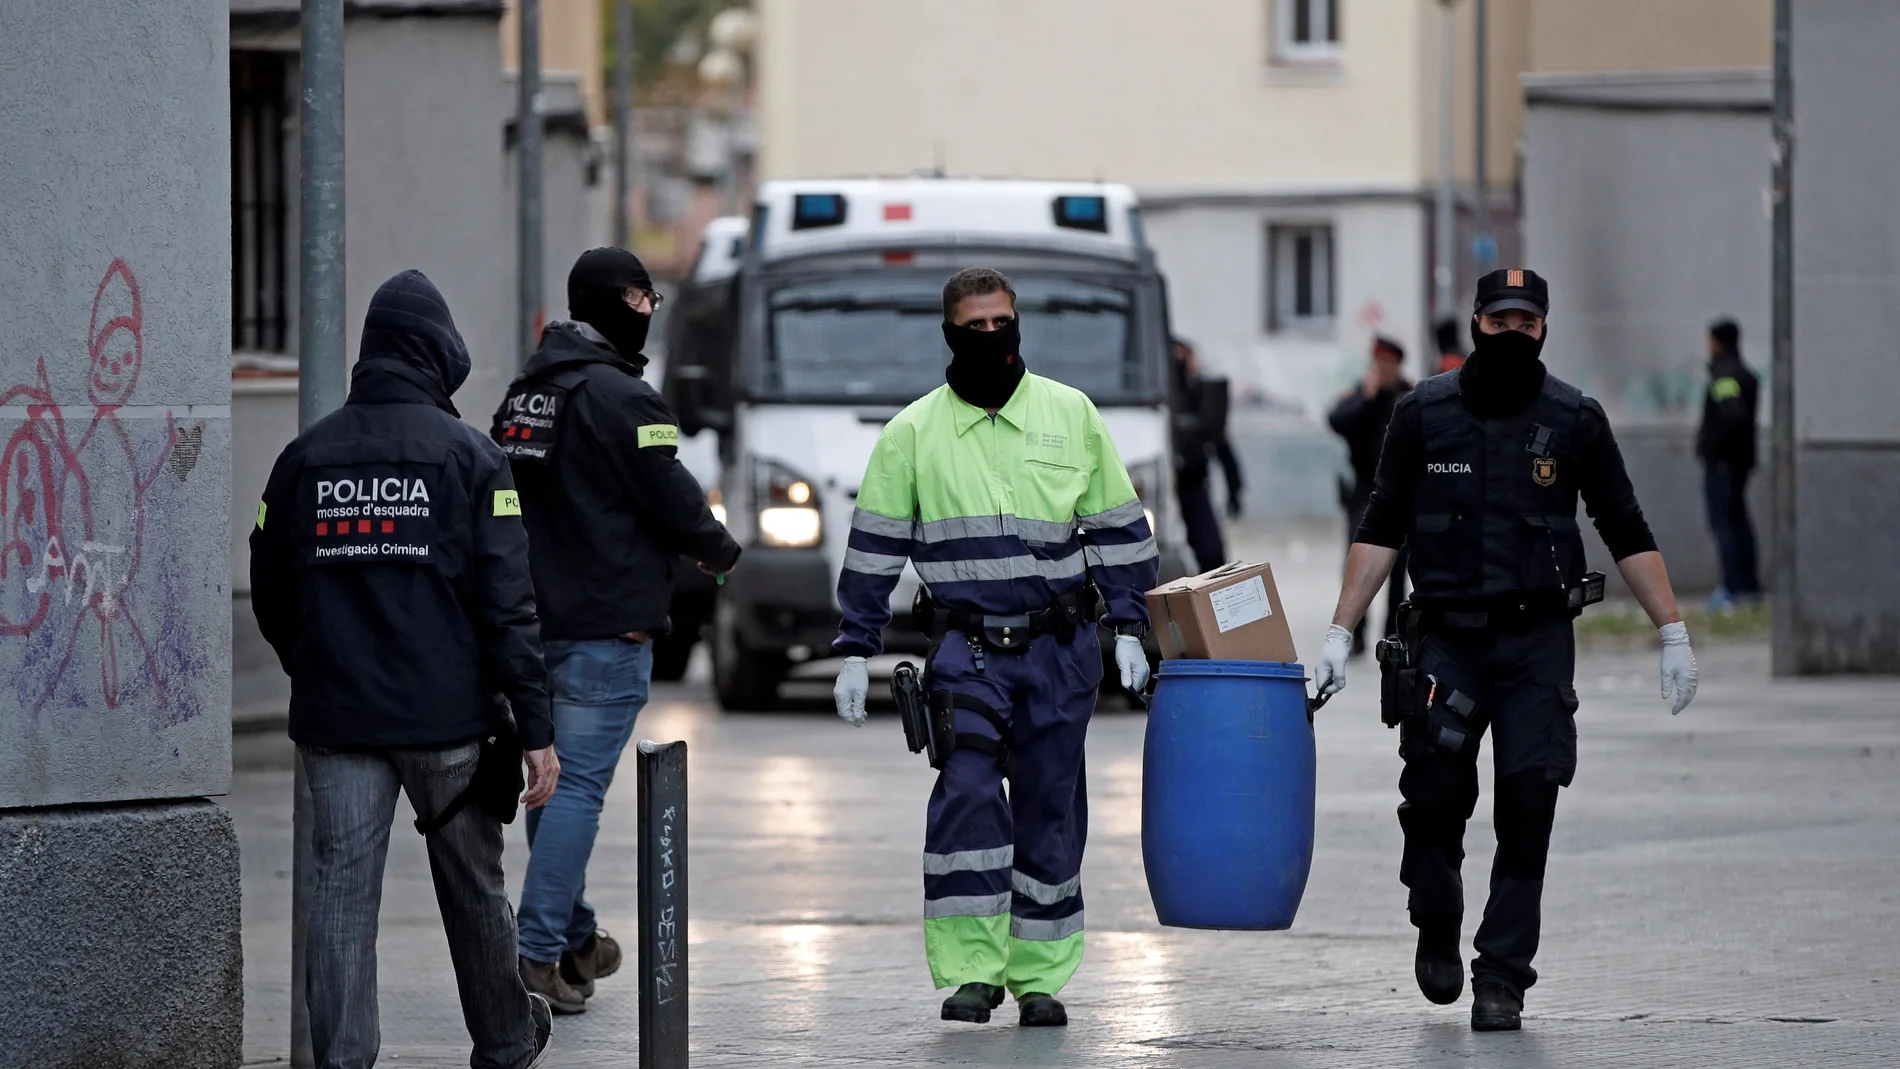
[{"x": 1232, "y": 613}]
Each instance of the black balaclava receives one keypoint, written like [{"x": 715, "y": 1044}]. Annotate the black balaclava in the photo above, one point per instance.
[
  {"x": 409, "y": 334},
  {"x": 985, "y": 365},
  {"x": 596, "y": 295},
  {"x": 1503, "y": 373}
]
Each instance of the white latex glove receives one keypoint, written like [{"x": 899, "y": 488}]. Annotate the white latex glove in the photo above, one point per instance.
[
  {"x": 1133, "y": 661},
  {"x": 854, "y": 685},
  {"x": 1678, "y": 666},
  {"x": 1329, "y": 675}
]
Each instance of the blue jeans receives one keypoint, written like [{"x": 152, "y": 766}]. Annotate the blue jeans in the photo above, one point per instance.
[{"x": 599, "y": 688}]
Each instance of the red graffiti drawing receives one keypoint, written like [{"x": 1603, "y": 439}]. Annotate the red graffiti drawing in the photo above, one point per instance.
[{"x": 73, "y": 511}]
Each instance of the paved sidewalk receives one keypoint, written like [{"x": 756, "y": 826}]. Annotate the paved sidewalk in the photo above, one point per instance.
[{"x": 1722, "y": 889}]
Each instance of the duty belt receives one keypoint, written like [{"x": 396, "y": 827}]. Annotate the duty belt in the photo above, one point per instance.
[
  {"x": 1508, "y": 611},
  {"x": 1006, "y": 632}
]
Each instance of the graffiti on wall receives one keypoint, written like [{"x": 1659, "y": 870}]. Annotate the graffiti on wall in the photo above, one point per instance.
[{"x": 94, "y": 590}]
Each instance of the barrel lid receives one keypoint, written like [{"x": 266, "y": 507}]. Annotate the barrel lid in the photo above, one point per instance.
[{"x": 1254, "y": 669}]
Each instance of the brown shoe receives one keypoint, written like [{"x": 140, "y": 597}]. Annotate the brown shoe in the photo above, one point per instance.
[
  {"x": 545, "y": 980},
  {"x": 598, "y": 957}
]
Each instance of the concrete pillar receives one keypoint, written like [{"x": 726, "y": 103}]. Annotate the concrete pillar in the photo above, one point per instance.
[
  {"x": 1846, "y": 612},
  {"x": 119, "y": 939}
]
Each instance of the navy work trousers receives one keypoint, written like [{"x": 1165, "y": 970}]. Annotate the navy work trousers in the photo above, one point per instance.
[
  {"x": 1002, "y": 870},
  {"x": 1521, "y": 681}
]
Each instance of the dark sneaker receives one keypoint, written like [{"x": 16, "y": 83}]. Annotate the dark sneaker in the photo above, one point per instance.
[
  {"x": 598, "y": 957},
  {"x": 1495, "y": 1008},
  {"x": 972, "y": 1003},
  {"x": 543, "y": 1016},
  {"x": 545, "y": 980},
  {"x": 1041, "y": 1011},
  {"x": 1440, "y": 972}
]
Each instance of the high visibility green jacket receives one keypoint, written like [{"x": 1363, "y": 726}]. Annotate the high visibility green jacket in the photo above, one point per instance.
[{"x": 1001, "y": 514}]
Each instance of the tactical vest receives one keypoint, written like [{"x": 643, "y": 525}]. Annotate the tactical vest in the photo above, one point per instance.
[{"x": 1495, "y": 510}]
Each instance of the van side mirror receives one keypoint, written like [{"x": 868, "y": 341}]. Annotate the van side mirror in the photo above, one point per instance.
[{"x": 691, "y": 393}]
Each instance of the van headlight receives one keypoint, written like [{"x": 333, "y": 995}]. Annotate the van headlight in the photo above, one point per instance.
[
  {"x": 788, "y": 506},
  {"x": 716, "y": 502},
  {"x": 1147, "y": 479}
]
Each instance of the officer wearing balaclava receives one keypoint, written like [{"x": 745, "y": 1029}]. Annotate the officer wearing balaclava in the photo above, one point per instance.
[
  {"x": 1004, "y": 490},
  {"x": 1480, "y": 477},
  {"x": 609, "y": 508}
]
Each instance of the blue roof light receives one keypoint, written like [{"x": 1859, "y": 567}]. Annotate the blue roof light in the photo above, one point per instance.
[
  {"x": 811, "y": 210},
  {"x": 1082, "y": 213}
]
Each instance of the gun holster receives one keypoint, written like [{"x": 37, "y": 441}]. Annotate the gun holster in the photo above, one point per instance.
[
  {"x": 926, "y": 728},
  {"x": 1402, "y": 688}
]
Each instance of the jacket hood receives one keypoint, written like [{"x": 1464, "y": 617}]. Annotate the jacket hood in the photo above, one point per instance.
[{"x": 409, "y": 327}]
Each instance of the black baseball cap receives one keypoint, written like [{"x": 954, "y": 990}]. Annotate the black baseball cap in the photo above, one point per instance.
[{"x": 1514, "y": 287}]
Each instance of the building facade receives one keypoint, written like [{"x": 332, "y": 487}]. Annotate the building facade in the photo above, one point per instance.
[{"x": 1286, "y": 151}]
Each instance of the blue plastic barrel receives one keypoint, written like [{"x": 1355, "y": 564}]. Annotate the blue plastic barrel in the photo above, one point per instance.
[{"x": 1227, "y": 794}]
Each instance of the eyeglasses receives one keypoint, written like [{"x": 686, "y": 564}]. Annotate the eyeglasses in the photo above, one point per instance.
[{"x": 637, "y": 296}]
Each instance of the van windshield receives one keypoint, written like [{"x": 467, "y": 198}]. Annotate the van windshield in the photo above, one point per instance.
[{"x": 878, "y": 338}]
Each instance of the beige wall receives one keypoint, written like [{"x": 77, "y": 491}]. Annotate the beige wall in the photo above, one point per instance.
[
  {"x": 1171, "y": 95},
  {"x": 1621, "y": 35},
  {"x": 570, "y": 42}
]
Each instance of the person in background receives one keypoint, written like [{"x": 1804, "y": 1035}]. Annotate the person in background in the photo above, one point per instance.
[
  {"x": 1725, "y": 443},
  {"x": 1360, "y": 418},
  {"x": 389, "y": 570},
  {"x": 1195, "y": 444},
  {"x": 1451, "y": 355}
]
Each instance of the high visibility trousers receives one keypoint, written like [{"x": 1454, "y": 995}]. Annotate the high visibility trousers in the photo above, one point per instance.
[{"x": 1002, "y": 871}]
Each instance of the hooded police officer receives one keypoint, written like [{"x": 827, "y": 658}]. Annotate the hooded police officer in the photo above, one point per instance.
[
  {"x": 389, "y": 570},
  {"x": 1480, "y": 476},
  {"x": 609, "y": 508}
]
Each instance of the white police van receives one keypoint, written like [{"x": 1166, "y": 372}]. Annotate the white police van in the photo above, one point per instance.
[{"x": 830, "y": 324}]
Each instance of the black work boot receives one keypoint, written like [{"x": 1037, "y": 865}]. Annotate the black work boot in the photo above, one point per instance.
[
  {"x": 972, "y": 1003},
  {"x": 1440, "y": 972},
  {"x": 1040, "y": 1011},
  {"x": 1495, "y": 1008}
]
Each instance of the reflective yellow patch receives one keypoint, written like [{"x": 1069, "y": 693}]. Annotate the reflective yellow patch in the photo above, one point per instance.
[
  {"x": 659, "y": 434},
  {"x": 507, "y": 503},
  {"x": 260, "y": 515},
  {"x": 1725, "y": 389}
]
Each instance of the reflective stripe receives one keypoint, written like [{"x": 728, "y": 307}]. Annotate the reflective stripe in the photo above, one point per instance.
[
  {"x": 858, "y": 560},
  {"x": 966, "y": 527},
  {"x": 1001, "y": 857},
  {"x": 1725, "y": 389},
  {"x": 1045, "y": 931},
  {"x": 1124, "y": 553},
  {"x": 1119, "y": 516},
  {"x": 1044, "y": 894},
  {"x": 872, "y": 523},
  {"x": 997, "y": 569},
  {"x": 997, "y": 526},
  {"x": 1045, "y": 530},
  {"x": 967, "y": 906}
]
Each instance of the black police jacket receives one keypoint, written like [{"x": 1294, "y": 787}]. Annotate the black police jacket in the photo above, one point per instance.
[
  {"x": 608, "y": 505},
  {"x": 389, "y": 570},
  {"x": 1362, "y": 421},
  {"x": 1726, "y": 436}
]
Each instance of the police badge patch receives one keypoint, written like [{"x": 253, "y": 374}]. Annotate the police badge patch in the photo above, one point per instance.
[{"x": 1544, "y": 471}]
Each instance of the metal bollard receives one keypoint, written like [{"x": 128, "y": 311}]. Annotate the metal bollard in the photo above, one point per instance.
[{"x": 663, "y": 985}]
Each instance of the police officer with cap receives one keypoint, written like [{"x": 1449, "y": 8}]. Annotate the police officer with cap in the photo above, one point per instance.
[
  {"x": 1481, "y": 474},
  {"x": 609, "y": 508}
]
